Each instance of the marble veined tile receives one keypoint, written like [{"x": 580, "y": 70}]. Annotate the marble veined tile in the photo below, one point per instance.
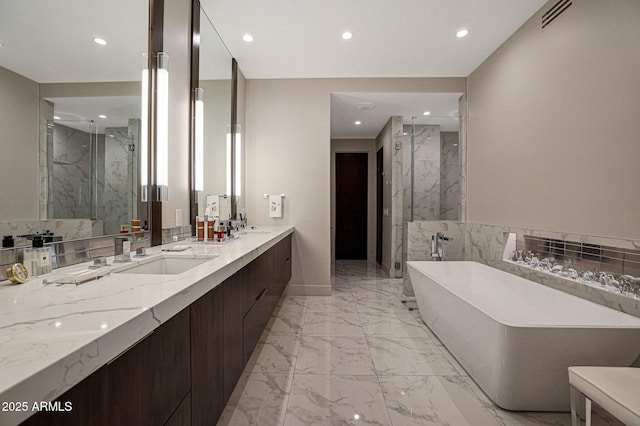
[
  {"x": 332, "y": 324},
  {"x": 334, "y": 355},
  {"x": 275, "y": 354},
  {"x": 372, "y": 291},
  {"x": 286, "y": 322},
  {"x": 461, "y": 371},
  {"x": 258, "y": 399},
  {"x": 292, "y": 304},
  {"x": 392, "y": 325},
  {"x": 343, "y": 303},
  {"x": 434, "y": 400},
  {"x": 336, "y": 400},
  {"x": 381, "y": 304},
  {"x": 409, "y": 356}
]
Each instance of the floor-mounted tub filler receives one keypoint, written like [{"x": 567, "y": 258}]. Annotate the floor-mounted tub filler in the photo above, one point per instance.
[{"x": 516, "y": 338}]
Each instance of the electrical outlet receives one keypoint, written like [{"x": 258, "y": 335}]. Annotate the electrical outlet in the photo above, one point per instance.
[{"x": 178, "y": 217}]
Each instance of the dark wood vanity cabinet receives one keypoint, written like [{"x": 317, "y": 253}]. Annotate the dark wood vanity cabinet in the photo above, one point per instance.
[
  {"x": 232, "y": 347},
  {"x": 184, "y": 372},
  {"x": 207, "y": 367},
  {"x": 266, "y": 278},
  {"x": 149, "y": 381},
  {"x": 144, "y": 385}
]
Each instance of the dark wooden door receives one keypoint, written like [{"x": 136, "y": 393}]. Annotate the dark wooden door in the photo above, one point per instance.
[
  {"x": 351, "y": 205},
  {"x": 379, "y": 192}
]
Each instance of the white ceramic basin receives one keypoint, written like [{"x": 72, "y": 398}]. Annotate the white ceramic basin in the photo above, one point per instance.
[{"x": 166, "y": 265}]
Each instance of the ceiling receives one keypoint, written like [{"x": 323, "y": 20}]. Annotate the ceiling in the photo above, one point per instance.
[
  {"x": 373, "y": 110},
  {"x": 400, "y": 38}
]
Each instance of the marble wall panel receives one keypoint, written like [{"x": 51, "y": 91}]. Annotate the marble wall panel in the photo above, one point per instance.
[
  {"x": 117, "y": 193},
  {"x": 70, "y": 195},
  {"x": 426, "y": 188},
  {"x": 449, "y": 176},
  {"x": 418, "y": 244}
]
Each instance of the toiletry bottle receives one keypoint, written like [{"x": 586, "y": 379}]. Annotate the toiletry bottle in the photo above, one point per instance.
[
  {"x": 44, "y": 260},
  {"x": 126, "y": 249},
  {"x": 216, "y": 225},
  {"x": 210, "y": 231},
  {"x": 200, "y": 222},
  {"x": 208, "y": 224},
  {"x": 29, "y": 260},
  {"x": 31, "y": 257}
]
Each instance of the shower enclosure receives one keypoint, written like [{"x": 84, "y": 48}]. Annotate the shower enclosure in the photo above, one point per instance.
[
  {"x": 428, "y": 175},
  {"x": 430, "y": 169}
]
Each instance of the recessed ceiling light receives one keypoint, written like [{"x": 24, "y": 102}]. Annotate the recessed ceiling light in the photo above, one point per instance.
[
  {"x": 462, "y": 33},
  {"x": 55, "y": 117},
  {"x": 111, "y": 136},
  {"x": 0, "y": 44},
  {"x": 347, "y": 35},
  {"x": 426, "y": 113},
  {"x": 100, "y": 41},
  {"x": 102, "y": 116},
  {"x": 357, "y": 123},
  {"x": 248, "y": 38}
]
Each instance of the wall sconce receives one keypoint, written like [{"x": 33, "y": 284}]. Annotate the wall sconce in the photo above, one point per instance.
[
  {"x": 199, "y": 142},
  {"x": 237, "y": 162},
  {"x": 144, "y": 133},
  {"x": 162, "y": 127}
]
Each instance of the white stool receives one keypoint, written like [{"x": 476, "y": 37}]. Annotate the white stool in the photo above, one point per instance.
[{"x": 616, "y": 389}]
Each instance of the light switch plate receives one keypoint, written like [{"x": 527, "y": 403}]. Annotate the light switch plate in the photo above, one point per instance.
[{"x": 178, "y": 217}]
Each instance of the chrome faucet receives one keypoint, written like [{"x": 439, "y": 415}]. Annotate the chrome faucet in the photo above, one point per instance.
[{"x": 437, "y": 250}]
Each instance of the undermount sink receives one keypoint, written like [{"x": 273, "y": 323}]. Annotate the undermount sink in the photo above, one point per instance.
[{"x": 166, "y": 265}]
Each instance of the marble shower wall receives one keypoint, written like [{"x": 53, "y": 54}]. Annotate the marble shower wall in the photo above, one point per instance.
[
  {"x": 426, "y": 193},
  {"x": 485, "y": 244},
  {"x": 70, "y": 193},
  {"x": 117, "y": 188},
  {"x": 449, "y": 176}
]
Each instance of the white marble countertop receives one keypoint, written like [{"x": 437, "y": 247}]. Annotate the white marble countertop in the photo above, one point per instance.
[{"x": 52, "y": 337}]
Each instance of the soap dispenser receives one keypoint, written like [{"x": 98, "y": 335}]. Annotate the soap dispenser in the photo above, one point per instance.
[{"x": 30, "y": 256}]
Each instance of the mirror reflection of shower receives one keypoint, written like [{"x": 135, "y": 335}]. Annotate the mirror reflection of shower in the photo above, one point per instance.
[{"x": 92, "y": 173}]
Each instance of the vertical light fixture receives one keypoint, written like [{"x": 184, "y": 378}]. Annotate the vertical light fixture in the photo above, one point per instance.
[
  {"x": 237, "y": 162},
  {"x": 238, "y": 168},
  {"x": 162, "y": 127},
  {"x": 199, "y": 154},
  {"x": 229, "y": 147},
  {"x": 144, "y": 133}
]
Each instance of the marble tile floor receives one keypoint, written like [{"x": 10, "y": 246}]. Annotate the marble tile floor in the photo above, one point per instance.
[{"x": 360, "y": 357}]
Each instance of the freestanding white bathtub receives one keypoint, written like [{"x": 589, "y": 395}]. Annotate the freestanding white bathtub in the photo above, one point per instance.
[{"x": 516, "y": 338}]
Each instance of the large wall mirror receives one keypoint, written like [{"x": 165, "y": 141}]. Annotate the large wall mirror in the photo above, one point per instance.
[
  {"x": 71, "y": 74},
  {"x": 213, "y": 139}
]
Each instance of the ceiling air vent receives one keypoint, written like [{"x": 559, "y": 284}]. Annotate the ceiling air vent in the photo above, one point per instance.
[{"x": 556, "y": 10}]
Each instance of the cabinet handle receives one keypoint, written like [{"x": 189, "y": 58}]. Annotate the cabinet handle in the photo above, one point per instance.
[
  {"x": 287, "y": 259},
  {"x": 262, "y": 293}
]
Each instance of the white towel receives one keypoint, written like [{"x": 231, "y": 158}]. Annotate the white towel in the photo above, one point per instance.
[{"x": 275, "y": 205}]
